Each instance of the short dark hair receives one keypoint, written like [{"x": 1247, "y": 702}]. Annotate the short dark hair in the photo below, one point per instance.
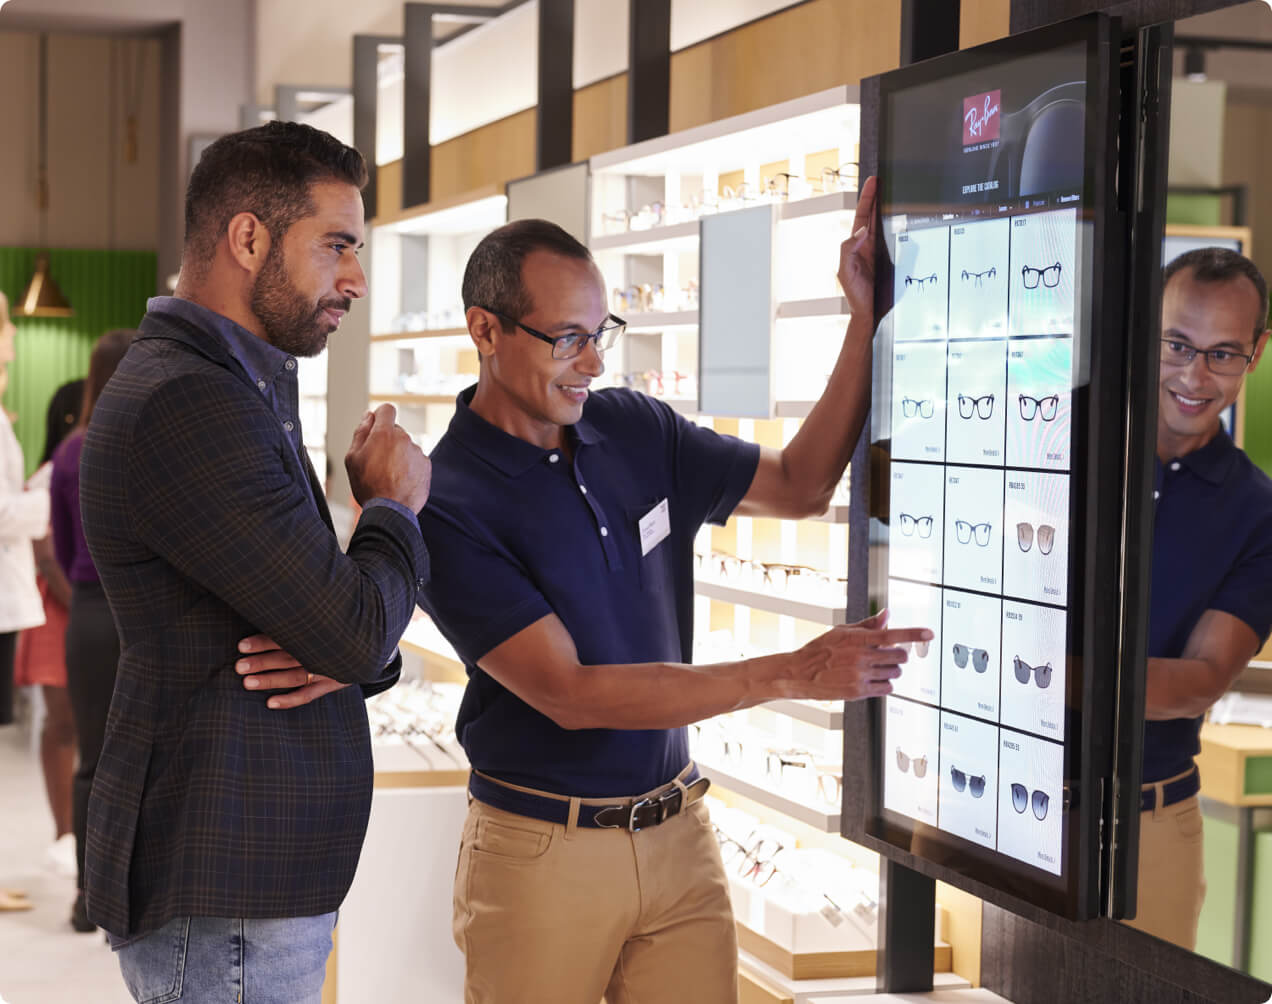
[
  {"x": 266, "y": 171},
  {"x": 62, "y": 416},
  {"x": 492, "y": 278},
  {"x": 1222, "y": 265}
]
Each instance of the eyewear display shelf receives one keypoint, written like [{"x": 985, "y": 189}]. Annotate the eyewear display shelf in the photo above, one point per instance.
[{"x": 420, "y": 352}]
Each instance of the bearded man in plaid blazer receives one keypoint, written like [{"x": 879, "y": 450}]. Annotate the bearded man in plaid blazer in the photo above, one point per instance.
[{"x": 223, "y": 832}]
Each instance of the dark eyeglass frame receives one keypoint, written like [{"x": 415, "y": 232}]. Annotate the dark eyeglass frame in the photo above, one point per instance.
[
  {"x": 1039, "y": 273},
  {"x": 1039, "y": 407},
  {"x": 965, "y": 531},
  {"x": 1020, "y": 800},
  {"x": 962, "y": 780},
  {"x": 922, "y": 281},
  {"x": 603, "y": 338},
  {"x": 979, "y": 277},
  {"x": 920, "y": 523},
  {"x": 980, "y": 658},
  {"x": 1189, "y": 352},
  {"x": 1040, "y": 674},
  {"x": 968, "y": 406}
]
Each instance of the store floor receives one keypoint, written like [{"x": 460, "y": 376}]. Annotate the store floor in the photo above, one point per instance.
[{"x": 42, "y": 961}]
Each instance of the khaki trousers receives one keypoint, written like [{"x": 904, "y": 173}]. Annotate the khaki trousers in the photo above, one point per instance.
[
  {"x": 1171, "y": 885},
  {"x": 551, "y": 913}
]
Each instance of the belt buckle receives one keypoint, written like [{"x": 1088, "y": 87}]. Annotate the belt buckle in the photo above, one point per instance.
[{"x": 661, "y": 802}]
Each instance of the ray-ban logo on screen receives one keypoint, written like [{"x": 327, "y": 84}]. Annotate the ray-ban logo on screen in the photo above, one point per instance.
[{"x": 981, "y": 118}]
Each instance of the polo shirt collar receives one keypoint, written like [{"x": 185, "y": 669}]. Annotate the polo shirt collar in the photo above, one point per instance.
[
  {"x": 510, "y": 455},
  {"x": 1212, "y": 462}
]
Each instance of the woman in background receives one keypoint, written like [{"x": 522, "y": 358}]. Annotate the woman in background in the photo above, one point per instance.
[
  {"x": 41, "y": 658},
  {"x": 24, "y": 517},
  {"x": 92, "y": 646}
]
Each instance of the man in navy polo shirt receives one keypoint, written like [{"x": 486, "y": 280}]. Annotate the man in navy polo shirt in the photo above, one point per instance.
[
  {"x": 1212, "y": 565},
  {"x": 561, "y": 524}
]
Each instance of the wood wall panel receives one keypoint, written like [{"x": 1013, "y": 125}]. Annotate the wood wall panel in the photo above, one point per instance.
[
  {"x": 983, "y": 21},
  {"x": 600, "y": 117},
  {"x": 493, "y": 154},
  {"x": 802, "y": 50}
]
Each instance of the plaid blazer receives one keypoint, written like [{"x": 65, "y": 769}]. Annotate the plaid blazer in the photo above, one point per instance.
[{"x": 206, "y": 526}]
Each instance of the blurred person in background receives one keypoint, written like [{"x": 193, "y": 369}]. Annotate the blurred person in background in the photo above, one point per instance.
[
  {"x": 41, "y": 660},
  {"x": 92, "y": 644},
  {"x": 24, "y": 517}
]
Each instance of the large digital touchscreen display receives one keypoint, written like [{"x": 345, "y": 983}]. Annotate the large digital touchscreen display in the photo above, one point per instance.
[{"x": 985, "y": 203}]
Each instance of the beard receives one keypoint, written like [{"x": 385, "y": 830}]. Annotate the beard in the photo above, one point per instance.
[{"x": 292, "y": 323}]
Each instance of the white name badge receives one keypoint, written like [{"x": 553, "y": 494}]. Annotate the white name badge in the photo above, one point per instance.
[{"x": 655, "y": 525}]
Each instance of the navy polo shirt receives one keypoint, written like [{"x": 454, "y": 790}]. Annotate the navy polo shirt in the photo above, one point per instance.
[
  {"x": 1212, "y": 550},
  {"x": 516, "y": 532}
]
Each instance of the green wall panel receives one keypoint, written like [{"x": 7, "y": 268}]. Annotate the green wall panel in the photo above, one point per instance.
[
  {"x": 1214, "y": 929},
  {"x": 107, "y": 289},
  {"x": 1261, "y": 908},
  {"x": 1199, "y": 210}
]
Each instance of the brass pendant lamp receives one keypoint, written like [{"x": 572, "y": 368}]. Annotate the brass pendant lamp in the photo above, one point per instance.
[{"x": 42, "y": 298}]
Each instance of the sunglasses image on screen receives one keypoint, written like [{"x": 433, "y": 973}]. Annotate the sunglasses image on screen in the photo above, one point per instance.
[
  {"x": 1025, "y": 536},
  {"x": 911, "y": 523},
  {"x": 978, "y": 278},
  {"x": 911, "y": 407},
  {"x": 918, "y": 764},
  {"x": 919, "y": 648},
  {"x": 983, "y": 407},
  {"x": 965, "y": 531},
  {"x": 974, "y": 785},
  {"x": 1041, "y": 674},
  {"x": 980, "y": 658},
  {"x": 1020, "y": 800},
  {"x": 1039, "y": 407},
  {"x": 1050, "y": 276},
  {"x": 922, "y": 281}
]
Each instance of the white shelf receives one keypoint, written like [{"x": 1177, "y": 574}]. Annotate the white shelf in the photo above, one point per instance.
[
  {"x": 792, "y": 409},
  {"x": 810, "y": 712},
  {"x": 818, "y": 205},
  {"x": 415, "y": 400},
  {"x": 655, "y": 240},
  {"x": 825, "y": 306},
  {"x": 661, "y": 321},
  {"x": 413, "y": 336},
  {"x": 821, "y": 819},
  {"x": 818, "y": 613}
]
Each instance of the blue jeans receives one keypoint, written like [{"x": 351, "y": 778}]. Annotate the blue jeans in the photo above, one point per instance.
[{"x": 213, "y": 960}]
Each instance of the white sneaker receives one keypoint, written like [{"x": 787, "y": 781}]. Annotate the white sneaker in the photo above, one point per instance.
[{"x": 60, "y": 856}]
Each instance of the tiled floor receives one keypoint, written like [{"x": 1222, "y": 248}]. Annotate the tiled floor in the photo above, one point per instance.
[{"x": 42, "y": 961}]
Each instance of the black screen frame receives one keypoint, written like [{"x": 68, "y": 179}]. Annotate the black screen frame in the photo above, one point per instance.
[{"x": 1098, "y": 440}]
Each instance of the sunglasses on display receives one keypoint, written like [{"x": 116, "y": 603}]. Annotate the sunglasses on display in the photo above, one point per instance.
[
  {"x": 571, "y": 345},
  {"x": 980, "y": 658},
  {"x": 911, "y": 523},
  {"x": 840, "y": 179},
  {"x": 1221, "y": 362},
  {"x": 964, "y": 531},
  {"x": 1050, "y": 276},
  {"x": 975, "y": 785},
  {"x": 1041, "y": 674},
  {"x": 1042, "y": 407},
  {"x": 983, "y": 407},
  {"x": 753, "y": 857},
  {"x": 1025, "y": 537},
  {"x": 978, "y": 278},
  {"x": 922, "y": 281},
  {"x": 1020, "y": 800},
  {"x": 911, "y": 407},
  {"x": 917, "y": 765}
]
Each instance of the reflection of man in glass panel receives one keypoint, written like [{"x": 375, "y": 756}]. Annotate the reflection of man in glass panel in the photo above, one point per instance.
[{"x": 1212, "y": 564}]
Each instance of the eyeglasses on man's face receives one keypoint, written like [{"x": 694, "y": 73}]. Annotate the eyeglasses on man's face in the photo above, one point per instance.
[
  {"x": 975, "y": 785},
  {"x": 922, "y": 281},
  {"x": 568, "y": 346},
  {"x": 978, "y": 278},
  {"x": 1221, "y": 362},
  {"x": 1039, "y": 407},
  {"x": 917, "y": 765},
  {"x": 1025, "y": 537},
  {"x": 1050, "y": 276},
  {"x": 965, "y": 531},
  {"x": 980, "y": 658},
  {"x": 911, "y": 523},
  {"x": 922, "y": 407},
  {"x": 982, "y": 407},
  {"x": 1041, "y": 674},
  {"x": 1020, "y": 800}
]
